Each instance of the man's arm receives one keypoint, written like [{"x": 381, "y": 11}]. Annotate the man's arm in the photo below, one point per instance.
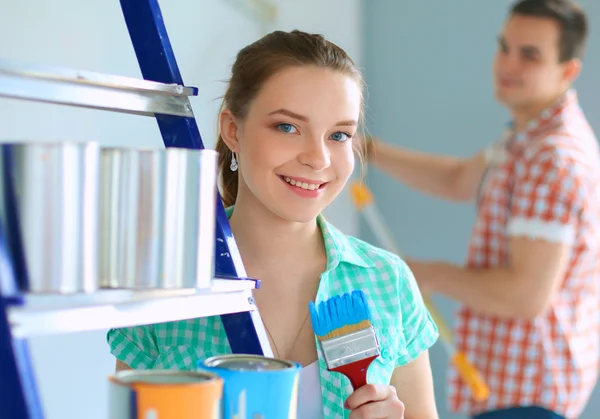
[
  {"x": 522, "y": 290},
  {"x": 547, "y": 204},
  {"x": 414, "y": 385},
  {"x": 451, "y": 178}
]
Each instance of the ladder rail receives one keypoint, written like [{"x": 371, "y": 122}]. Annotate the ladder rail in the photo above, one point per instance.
[
  {"x": 156, "y": 58},
  {"x": 19, "y": 397}
]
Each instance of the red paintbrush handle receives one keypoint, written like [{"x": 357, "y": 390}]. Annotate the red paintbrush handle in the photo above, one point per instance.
[{"x": 356, "y": 371}]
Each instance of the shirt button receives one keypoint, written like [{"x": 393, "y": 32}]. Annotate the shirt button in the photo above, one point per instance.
[{"x": 385, "y": 354}]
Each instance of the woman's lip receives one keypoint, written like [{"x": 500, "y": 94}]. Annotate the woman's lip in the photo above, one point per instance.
[{"x": 304, "y": 180}]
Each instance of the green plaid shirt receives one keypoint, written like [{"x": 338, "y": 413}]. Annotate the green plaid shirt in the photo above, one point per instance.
[{"x": 403, "y": 325}]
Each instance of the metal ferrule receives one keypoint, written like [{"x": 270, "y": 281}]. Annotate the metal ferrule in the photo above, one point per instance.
[{"x": 350, "y": 348}]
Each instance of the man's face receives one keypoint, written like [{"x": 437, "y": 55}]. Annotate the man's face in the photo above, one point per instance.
[{"x": 527, "y": 67}]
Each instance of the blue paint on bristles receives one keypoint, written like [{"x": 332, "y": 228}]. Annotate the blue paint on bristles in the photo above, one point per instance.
[{"x": 343, "y": 310}]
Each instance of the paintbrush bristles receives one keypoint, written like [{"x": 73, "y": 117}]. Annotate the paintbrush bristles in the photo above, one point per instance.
[
  {"x": 345, "y": 330},
  {"x": 340, "y": 315}
]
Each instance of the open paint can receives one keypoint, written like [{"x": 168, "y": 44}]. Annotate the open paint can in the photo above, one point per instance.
[
  {"x": 164, "y": 394},
  {"x": 256, "y": 387}
]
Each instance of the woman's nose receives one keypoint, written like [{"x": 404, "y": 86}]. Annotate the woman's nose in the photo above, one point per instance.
[{"x": 316, "y": 154}]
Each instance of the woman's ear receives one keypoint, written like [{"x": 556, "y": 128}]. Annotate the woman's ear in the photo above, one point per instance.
[{"x": 229, "y": 130}]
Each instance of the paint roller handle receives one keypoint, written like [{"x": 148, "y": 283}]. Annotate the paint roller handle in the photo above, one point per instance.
[
  {"x": 467, "y": 371},
  {"x": 364, "y": 203},
  {"x": 360, "y": 194},
  {"x": 478, "y": 387},
  {"x": 363, "y": 200}
]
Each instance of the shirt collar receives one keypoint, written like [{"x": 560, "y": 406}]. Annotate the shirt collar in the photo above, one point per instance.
[
  {"x": 338, "y": 246},
  {"x": 549, "y": 118}
]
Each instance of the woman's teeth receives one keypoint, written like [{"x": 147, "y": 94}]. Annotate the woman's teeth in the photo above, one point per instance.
[{"x": 303, "y": 185}]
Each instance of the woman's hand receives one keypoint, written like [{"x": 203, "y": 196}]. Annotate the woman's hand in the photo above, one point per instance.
[{"x": 375, "y": 401}]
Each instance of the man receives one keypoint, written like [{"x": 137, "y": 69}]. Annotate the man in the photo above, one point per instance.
[{"x": 530, "y": 288}]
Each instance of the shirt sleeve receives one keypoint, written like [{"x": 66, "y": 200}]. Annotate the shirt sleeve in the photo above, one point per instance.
[
  {"x": 134, "y": 346},
  {"x": 547, "y": 198},
  {"x": 419, "y": 329}
]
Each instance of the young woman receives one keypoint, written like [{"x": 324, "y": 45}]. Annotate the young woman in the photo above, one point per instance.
[{"x": 288, "y": 127}]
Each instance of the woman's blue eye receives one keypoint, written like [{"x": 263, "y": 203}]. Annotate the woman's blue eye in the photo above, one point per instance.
[
  {"x": 287, "y": 128},
  {"x": 339, "y": 136}
]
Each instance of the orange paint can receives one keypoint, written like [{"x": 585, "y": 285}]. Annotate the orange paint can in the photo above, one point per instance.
[{"x": 164, "y": 394}]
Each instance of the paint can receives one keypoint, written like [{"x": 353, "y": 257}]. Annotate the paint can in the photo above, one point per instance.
[
  {"x": 190, "y": 218},
  {"x": 132, "y": 198},
  {"x": 256, "y": 387},
  {"x": 158, "y": 218},
  {"x": 49, "y": 211},
  {"x": 164, "y": 394}
]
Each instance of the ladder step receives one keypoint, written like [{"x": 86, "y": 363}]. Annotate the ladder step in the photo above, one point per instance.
[
  {"x": 55, "y": 314},
  {"x": 94, "y": 90}
]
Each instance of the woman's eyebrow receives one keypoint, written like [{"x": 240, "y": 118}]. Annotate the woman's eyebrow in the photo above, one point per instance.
[{"x": 287, "y": 112}]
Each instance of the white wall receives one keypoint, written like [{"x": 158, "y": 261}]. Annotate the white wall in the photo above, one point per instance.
[{"x": 91, "y": 35}]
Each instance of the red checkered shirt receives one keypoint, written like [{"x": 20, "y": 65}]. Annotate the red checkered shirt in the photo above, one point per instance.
[{"x": 542, "y": 182}]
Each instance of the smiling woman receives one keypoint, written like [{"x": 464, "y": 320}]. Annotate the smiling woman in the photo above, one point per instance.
[
  {"x": 306, "y": 83},
  {"x": 299, "y": 127},
  {"x": 288, "y": 132}
]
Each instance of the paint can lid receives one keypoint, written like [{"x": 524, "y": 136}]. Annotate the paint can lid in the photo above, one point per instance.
[
  {"x": 238, "y": 362},
  {"x": 162, "y": 377}
]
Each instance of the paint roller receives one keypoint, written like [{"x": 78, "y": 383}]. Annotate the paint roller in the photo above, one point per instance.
[{"x": 365, "y": 204}]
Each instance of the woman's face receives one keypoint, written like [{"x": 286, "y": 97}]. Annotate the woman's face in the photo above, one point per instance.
[{"x": 294, "y": 148}]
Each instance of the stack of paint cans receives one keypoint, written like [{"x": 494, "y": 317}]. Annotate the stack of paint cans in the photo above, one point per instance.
[
  {"x": 79, "y": 217},
  {"x": 224, "y": 387}
]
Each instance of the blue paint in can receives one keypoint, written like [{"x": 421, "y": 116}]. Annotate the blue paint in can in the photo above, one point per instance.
[{"x": 256, "y": 387}]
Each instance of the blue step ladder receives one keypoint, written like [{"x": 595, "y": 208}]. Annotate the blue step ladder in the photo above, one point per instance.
[{"x": 19, "y": 398}]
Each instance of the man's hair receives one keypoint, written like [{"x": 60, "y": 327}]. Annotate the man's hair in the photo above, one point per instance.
[{"x": 570, "y": 17}]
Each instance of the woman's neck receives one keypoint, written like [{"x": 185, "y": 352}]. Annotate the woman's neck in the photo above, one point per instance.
[{"x": 266, "y": 241}]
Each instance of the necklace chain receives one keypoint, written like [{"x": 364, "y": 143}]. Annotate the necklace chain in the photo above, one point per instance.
[{"x": 293, "y": 343}]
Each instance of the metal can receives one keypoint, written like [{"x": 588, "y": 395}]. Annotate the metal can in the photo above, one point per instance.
[
  {"x": 49, "y": 210},
  {"x": 158, "y": 218},
  {"x": 256, "y": 387},
  {"x": 132, "y": 198},
  {"x": 164, "y": 394},
  {"x": 190, "y": 218}
]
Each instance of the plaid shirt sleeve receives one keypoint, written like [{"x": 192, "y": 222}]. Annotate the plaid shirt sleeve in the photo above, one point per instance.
[
  {"x": 135, "y": 346},
  {"x": 546, "y": 198},
  {"x": 419, "y": 330}
]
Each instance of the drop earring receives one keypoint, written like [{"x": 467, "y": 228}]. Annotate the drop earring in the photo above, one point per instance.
[{"x": 233, "y": 166}]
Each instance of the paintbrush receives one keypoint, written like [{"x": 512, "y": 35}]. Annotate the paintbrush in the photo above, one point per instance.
[{"x": 344, "y": 331}]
